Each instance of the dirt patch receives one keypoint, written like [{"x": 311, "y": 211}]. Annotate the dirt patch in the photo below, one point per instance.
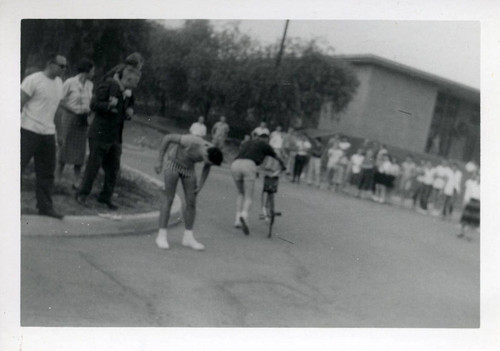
[{"x": 133, "y": 195}]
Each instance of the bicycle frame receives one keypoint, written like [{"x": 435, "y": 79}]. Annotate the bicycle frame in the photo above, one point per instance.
[{"x": 271, "y": 212}]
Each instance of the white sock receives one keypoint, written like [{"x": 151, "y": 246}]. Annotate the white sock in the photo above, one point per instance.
[
  {"x": 189, "y": 240},
  {"x": 244, "y": 214},
  {"x": 162, "y": 239},
  {"x": 237, "y": 222}
]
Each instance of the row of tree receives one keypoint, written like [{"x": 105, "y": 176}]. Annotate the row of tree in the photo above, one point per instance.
[{"x": 201, "y": 70}]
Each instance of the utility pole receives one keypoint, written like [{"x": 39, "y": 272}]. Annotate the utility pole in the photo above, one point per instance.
[
  {"x": 280, "y": 54},
  {"x": 278, "y": 61}
]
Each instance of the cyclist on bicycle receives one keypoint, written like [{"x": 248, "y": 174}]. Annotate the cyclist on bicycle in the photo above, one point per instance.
[{"x": 244, "y": 170}]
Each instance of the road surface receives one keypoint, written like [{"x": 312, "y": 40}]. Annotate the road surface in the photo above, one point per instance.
[{"x": 343, "y": 262}]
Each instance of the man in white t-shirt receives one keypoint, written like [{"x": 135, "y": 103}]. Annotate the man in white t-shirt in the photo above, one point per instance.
[
  {"x": 220, "y": 130},
  {"x": 41, "y": 93},
  {"x": 276, "y": 141},
  {"x": 199, "y": 128},
  {"x": 260, "y": 130}
]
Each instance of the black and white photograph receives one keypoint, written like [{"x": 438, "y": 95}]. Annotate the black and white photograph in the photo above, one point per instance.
[{"x": 180, "y": 175}]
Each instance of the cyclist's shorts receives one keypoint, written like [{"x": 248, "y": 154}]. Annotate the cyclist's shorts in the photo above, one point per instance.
[
  {"x": 270, "y": 184},
  {"x": 244, "y": 170}
]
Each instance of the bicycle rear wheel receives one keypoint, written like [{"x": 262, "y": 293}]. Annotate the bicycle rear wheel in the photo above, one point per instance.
[{"x": 270, "y": 212}]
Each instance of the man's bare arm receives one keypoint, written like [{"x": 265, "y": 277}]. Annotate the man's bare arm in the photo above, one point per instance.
[
  {"x": 24, "y": 99},
  {"x": 204, "y": 175}
]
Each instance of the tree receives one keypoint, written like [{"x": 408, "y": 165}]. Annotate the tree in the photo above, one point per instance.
[{"x": 207, "y": 70}]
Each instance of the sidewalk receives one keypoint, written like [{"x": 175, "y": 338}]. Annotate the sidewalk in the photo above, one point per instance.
[{"x": 105, "y": 224}]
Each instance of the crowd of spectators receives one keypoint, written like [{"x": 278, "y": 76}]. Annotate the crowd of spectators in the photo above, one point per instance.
[
  {"x": 51, "y": 107},
  {"x": 372, "y": 173},
  {"x": 73, "y": 113}
]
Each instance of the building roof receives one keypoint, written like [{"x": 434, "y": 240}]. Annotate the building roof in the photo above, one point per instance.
[{"x": 445, "y": 85}]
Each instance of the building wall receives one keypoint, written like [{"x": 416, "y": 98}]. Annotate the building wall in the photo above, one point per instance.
[
  {"x": 348, "y": 122},
  {"x": 391, "y": 107}
]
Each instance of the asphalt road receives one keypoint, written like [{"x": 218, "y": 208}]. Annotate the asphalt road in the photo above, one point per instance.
[{"x": 336, "y": 262}]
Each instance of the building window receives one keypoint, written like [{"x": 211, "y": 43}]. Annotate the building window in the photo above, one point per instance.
[
  {"x": 442, "y": 130},
  {"x": 472, "y": 135}
]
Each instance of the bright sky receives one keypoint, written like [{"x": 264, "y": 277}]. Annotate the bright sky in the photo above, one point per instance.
[{"x": 449, "y": 49}]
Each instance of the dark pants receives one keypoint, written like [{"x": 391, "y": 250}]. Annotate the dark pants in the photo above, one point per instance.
[
  {"x": 43, "y": 149},
  {"x": 449, "y": 200},
  {"x": 425, "y": 195},
  {"x": 300, "y": 162},
  {"x": 108, "y": 156}
]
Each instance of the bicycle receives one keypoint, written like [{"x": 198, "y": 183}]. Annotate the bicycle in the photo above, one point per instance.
[{"x": 271, "y": 188}]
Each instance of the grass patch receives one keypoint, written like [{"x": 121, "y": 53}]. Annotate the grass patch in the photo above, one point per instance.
[{"x": 132, "y": 194}]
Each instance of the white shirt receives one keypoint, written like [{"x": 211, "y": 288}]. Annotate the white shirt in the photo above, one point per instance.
[
  {"x": 408, "y": 169},
  {"x": 198, "y": 129},
  {"x": 395, "y": 170},
  {"x": 38, "y": 113},
  {"x": 259, "y": 131},
  {"x": 303, "y": 147},
  {"x": 77, "y": 96},
  {"x": 471, "y": 166},
  {"x": 453, "y": 183},
  {"x": 220, "y": 130},
  {"x": 334, "y": 156},
  {"x": 428, "y": 176},
  {"x": 441, "y": 176},
  {"x": 276, "y": 140},
  {"x": 344, "y": 145},
  {"x": 385, "y": 167},
  {"x": 472, "y": 190},
  {"x": 356, "y": 161}
]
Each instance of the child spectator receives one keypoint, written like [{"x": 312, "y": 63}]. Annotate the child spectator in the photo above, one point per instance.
[
  {"x": 339, "y": 174},
  {"x": 314, "y": 169},
  {"x": 392, "y": 177},
  {"x": 441, "y": 174},
  {"x": 335, "y": 153},
  {"x": 382, "y": 178},
  {"x": 367, "y": 174},
  {"x": 427, "y": 182},
  {"x": 418, "y": 187},
  {"x": 451, "y": 190},
  {"x": 408, "y": 172},
  {"x": 471, "y": 213},
  {"x": 303, "y": 147},
  {"x": 355, "y": 168}
]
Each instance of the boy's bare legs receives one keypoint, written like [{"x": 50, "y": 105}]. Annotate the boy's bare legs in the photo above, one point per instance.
[{"x": 168, "y": 195}]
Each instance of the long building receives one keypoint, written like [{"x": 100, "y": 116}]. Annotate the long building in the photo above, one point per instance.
[{"x": 409, "y": 109}]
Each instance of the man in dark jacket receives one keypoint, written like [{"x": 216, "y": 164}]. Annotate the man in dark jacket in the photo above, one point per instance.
[{"x": 112, "y": 104}]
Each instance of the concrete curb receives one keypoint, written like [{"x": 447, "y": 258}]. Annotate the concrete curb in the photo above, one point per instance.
[{"x": 32, "y": 225}]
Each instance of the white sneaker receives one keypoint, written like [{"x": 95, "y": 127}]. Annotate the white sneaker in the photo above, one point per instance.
[
  {"x": 161, "y": 242},
  {"x": 189, "y": 241}
]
